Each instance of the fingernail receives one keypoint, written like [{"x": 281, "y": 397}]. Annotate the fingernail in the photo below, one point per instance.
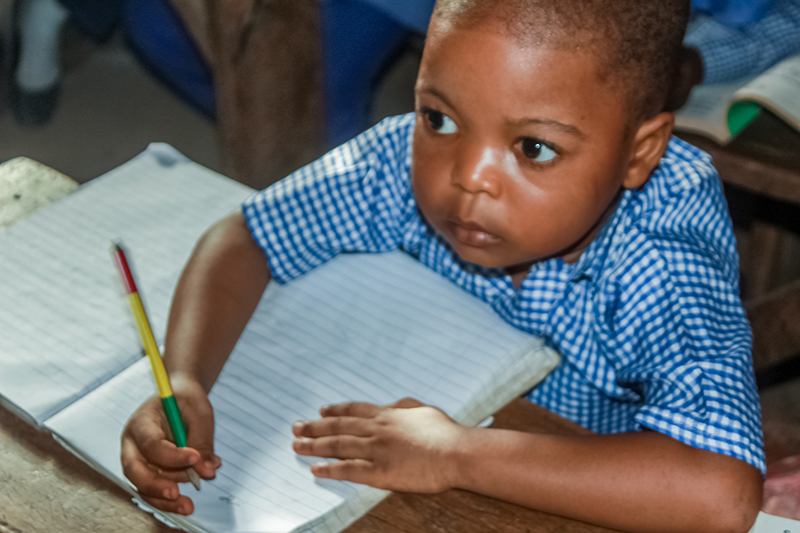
[
  {"x": 183, "y": 509},
  {"x": 299, "y": 424},
  {"x": 319, "y": 464},
  {"x": 170, "y": 494},
  {"x": 208, "y": 465}
]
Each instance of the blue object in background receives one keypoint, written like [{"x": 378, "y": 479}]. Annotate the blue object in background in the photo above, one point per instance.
[
  {"x": 359, "y": 41},
  {"x": 157, "y": 35},
  {"x": 733, "y": 13},
  {"x": 414, "y": 14}
]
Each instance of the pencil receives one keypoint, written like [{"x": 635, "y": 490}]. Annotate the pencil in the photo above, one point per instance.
[{"x": 174, "y": 419}]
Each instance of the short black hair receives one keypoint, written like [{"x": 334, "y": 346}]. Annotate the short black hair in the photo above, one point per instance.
[{"x": 638, "y": 42}]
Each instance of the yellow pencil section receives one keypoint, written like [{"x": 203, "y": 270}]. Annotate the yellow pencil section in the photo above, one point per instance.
[{"x": 150, "y": 346}]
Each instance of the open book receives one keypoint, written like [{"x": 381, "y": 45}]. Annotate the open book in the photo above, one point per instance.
[
  {"x": 372, "y": 327},
  {"x": 722, "y": 111}
]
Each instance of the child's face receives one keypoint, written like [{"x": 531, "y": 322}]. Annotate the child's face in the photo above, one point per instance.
[{"x": 519, "y": 152}]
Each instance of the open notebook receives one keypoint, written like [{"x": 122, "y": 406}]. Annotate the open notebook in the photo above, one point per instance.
[{"x": 373, "y": 327}]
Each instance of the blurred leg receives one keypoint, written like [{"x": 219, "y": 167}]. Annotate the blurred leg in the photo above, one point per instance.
[
  {"x": 37, "y": 69},
  {"x": 267, "y": 78}
]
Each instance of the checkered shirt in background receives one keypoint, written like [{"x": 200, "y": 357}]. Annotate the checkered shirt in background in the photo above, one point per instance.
[{"x": 734, "y": 53}]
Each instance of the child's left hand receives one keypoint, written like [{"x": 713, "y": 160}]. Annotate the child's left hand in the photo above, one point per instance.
[{"x": 405, "y": 446}]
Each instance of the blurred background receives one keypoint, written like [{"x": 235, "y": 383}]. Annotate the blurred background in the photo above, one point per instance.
[
  {"x": 112, "y": 103},
  {"x": 110, "y": 107}
]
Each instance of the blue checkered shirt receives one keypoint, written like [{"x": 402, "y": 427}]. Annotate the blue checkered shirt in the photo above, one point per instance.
[
  {"x": 648, "y": 320},
  {"x": 732, "y": 53}
]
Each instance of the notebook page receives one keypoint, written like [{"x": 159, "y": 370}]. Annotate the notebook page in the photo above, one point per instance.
[
  {"x": 706, "y": 110},
  {"x": 778, "y": 89},
  {"x": 767, "y": 523},
  {"x": 65, "y": 322},
  {"x": 362, "y": 327}
]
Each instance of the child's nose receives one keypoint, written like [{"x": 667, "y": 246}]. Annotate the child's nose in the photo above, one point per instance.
[{"x": 477, "y": 170}]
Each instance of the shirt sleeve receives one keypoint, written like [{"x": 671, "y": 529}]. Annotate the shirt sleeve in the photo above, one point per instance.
[
  {"x": 356, "y": 198},
  {"x": 732, "y": 53},
  {"x": 683, "y": 340}
]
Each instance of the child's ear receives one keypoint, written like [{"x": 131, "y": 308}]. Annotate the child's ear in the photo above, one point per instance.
[{"x": 649, "y": 144}]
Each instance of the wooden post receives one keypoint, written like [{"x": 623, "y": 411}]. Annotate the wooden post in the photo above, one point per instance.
[{"x": 268, "y": 78}]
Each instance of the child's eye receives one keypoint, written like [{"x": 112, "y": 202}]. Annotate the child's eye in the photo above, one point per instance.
[
  {"x": 440, "y": 122},
  {"x": 537, "y": 150}
]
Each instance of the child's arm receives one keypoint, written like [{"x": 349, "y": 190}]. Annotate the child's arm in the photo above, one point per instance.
[
  {"x": 218, "y": 291},
  {"x": 632, "y": 481}
]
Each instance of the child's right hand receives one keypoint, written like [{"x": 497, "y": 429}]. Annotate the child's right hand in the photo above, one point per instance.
[{"x": 154, "y": 464}]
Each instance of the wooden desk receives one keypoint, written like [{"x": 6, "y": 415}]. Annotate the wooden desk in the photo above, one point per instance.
[{"x": 45, "y": 488}]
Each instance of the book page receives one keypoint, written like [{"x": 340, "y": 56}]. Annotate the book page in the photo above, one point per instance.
[
  {"x": 367, "y": 327},
  {"x": 778, "y": 89},
  {"x": 767, "y": 523},
  {"x": 706, "y": 110},
  {"x": 64, "y": 320}
]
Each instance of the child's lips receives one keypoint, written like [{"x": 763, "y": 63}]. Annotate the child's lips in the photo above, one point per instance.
[{"x": 472, "y": 234}]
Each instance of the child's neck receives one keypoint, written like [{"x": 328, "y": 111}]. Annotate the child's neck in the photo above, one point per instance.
[{"x": 518, "y": 277}]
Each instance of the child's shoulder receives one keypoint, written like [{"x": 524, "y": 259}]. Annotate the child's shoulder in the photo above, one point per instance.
[
  {"x": 684, "y": 172},
  {"x": 683, "y": 197},
  {"x": 679, "y": 218},
  {"x": 386, "y": 145},
  {"x": 390, "y": 133}
]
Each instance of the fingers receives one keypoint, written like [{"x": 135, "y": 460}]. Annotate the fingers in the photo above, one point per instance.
[
  {"x": 181, "y": 505},
  {"x": 164, "y": 454},
  {"x": 335, "y": 425},
  {"x": 357, "y": 409},
  {"x": 337, "y": 447},
  {"x": 151, "y": 482},
  {"x": 366, "y": 409},
  {"x": 407, "y": 403},
  {"x": 144, "y": 429},
  {"x": 200, "y": 436},
  {"x": 355, "y": 470},
  {"x": 145, "y": 453},
  {"x": 152, "y": 463}
]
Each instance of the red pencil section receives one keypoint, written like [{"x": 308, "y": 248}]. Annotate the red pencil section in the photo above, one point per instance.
[{"x": 124, "y": 270}]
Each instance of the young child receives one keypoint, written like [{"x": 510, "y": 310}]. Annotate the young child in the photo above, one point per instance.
[{"x": 538, "y": 173}]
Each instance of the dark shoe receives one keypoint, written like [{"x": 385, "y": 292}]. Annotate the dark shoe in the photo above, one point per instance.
[
  {"x": 31, "y": 108},
  {"x": 34, "y": 108}
]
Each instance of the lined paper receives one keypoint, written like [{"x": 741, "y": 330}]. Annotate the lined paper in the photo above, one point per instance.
[
  {"x": 65, "y": 326},
  {"x": 362, "y": 327}
]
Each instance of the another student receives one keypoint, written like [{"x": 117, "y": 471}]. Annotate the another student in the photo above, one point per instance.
[
  {"x": 741, "y": 39},
  {"x": 538, "y": 173}
]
